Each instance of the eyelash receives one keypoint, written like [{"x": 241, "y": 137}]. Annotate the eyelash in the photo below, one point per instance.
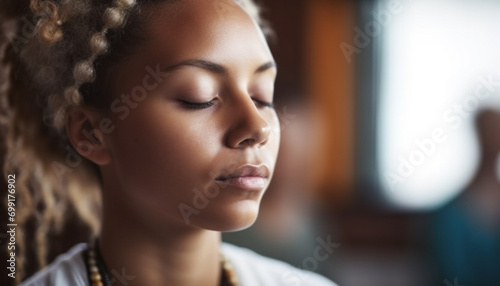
[
  {"x": 203, "y": 105},
  {"x": 264, "y": 103},
  {"x": 194, "y": 105}
]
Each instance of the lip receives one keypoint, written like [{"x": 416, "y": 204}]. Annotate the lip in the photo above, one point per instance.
[{"x": 248, "y": 177}]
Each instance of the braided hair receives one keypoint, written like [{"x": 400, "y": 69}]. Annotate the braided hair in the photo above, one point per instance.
[{"x": 54, "y": 56}]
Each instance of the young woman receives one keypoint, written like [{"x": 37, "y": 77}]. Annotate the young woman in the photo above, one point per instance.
[{"x": 165, "y": 108}]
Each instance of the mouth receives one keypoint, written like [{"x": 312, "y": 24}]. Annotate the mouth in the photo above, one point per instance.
[{"x": 248, "y": 177}]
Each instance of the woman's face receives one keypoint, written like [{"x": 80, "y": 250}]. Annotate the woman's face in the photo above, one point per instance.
[{"x": 200, "y": 147}]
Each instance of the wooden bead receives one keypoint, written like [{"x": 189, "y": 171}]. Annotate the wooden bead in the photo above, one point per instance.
[
  {"x": 92, "y": 261},
  {"x": 50, "y": 32},
  {"x": 59, "y": 117},
  {"x": 113, "y": 17},
  {"x": 124, "y": 3},
  {"x": 94, "y": 269},
  {"x": 48, "y": 9},
  {"x": 98, "y": 44},
  {"x": 229, "y": 271},
  {"x": 84, "y": 72},
  {"x": 95, "y": 277},
  {"x": 72, "y": 95}
]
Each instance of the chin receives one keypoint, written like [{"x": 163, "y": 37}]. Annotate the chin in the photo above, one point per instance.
[{"x": 234, "y": 218}]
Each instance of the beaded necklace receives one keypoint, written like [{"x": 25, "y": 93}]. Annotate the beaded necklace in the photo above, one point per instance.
[{"x": 99, "y": 275}]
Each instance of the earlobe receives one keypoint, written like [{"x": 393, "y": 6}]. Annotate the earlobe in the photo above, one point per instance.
[{"x": 83, "y": 132}]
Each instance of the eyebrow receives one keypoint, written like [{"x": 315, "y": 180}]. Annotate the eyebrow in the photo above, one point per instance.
[{"x": 214, "y": 67}]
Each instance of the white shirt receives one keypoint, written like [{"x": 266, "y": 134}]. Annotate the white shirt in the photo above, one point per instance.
[{"x": 251, "y": 269}]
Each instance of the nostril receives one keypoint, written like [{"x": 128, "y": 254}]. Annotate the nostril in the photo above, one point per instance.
[
  {"x": 247, "y": 142},
  {"x": 264, "y": 142},
  {"x": 258, "y": 139}
]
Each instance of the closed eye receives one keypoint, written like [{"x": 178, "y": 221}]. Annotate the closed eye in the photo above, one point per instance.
[
  {"x": 197, "y": 105},
  {"x": 203, "y": 105},
  {"x": 262, "y": 103}
]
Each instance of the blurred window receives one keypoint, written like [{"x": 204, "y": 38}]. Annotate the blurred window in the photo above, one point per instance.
[{"x": 439, "y": 63}]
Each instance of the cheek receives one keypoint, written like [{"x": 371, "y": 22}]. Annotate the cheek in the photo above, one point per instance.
[{"x": 160, "y": 154}]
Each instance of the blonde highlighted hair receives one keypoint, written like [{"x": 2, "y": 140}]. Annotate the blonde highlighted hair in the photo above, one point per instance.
[{"x": 54, "y": 55}]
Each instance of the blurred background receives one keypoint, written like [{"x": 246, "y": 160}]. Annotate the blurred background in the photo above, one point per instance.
[{"x": 389, "y": 170}]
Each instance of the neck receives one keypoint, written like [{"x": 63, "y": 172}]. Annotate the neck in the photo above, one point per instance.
[{"x": 137, "y": 253}]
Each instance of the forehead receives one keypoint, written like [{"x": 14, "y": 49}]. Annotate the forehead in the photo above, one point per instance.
[{"x": 218, "y": 30}]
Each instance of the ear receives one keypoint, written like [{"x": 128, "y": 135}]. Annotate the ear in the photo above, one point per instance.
[{"x": 82, "y": 128}]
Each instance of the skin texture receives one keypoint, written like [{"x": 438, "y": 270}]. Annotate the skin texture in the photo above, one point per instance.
[{"x": 162, "y": 153}]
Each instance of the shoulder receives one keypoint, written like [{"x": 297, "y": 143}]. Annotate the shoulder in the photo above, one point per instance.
[
  {"x": 67, "y": 269},
  {"x": 254, "y": 269}
]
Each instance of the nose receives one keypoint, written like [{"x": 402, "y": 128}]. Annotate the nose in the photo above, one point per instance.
[{"x": 249, "y": 128}]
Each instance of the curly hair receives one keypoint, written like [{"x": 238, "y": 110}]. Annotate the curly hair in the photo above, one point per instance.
[{"x": 55, "y": 55}]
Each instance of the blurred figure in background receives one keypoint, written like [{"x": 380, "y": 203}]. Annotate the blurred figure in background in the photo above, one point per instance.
[
  {"x": 288, "y": 226},
  {"x": 465, "y": 234}
]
